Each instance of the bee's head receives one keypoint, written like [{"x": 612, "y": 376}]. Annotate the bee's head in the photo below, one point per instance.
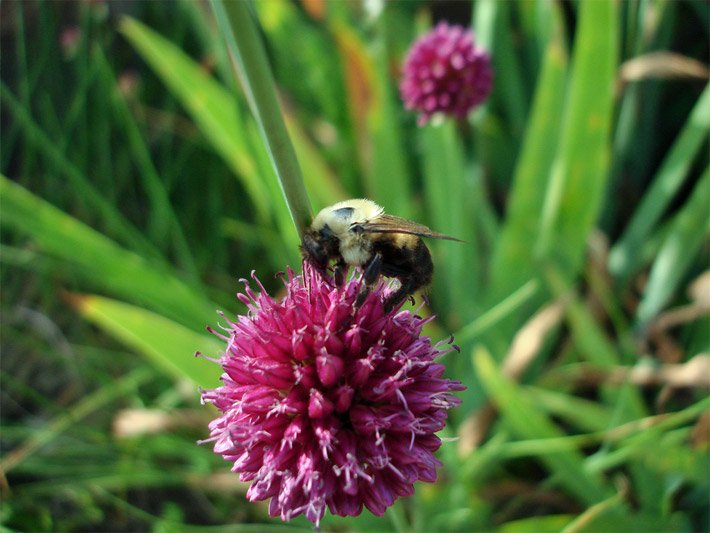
[
  {"x": 319, "y": 246},
  {"x": 335, "y": 225}
]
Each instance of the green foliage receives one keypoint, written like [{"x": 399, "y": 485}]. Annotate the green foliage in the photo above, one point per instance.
[{"x": 137, "y": 188}]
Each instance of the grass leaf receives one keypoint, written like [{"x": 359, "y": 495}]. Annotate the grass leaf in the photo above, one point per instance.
[
  {"x": 100, "y": 261},
  {"x": 623, "y": 258},
  {"x": 167, "y": 344},
  {"x": 579, "y": 173},
  {"x": 529, "y": 423},
  {"x": 214, "y": 110},
  {"x": 239, "y": 28},
  {"x": 513, "y": 261},
  {"x": 689, "y": 230}
]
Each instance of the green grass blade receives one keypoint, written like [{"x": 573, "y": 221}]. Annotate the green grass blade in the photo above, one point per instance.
[
  {"x": 492, "y": 25},
  {"x": 202, "y": 24},
  {"x": 528, "y": 422},
  {"x": 99, "y": 260},
  {"x": 123, "y": 230},
  {"x": 324, "y": 187},
  {"x": 167, "y": 344},
  {"x": 623, "y": 258},
  {"x": 601, "y": 519},
  {"x": 689, "y": 230},
  {"x": 640, "y": 106},
  {"x": 595, "y": 346},
  {"x": 388, "y": 177},
  {"x": 538, "y": 524},
  {"x": 287, "y": 251},
  {"x": 238, "y": 24},
  {"x": 164, "y": 222},
  {"x": 648, "y": 437},
  {"x": 589, "y": 337},
  {"x": 212, "y": 108},
  {"x": 125, "y": 385},
  {"x": 584, "y": 414},
  {"x": 513, "y": 261},
  {"x": 449, "y": 198},
  {"x": 580, "y": 172},
  {"x": 497, "y": 313}
]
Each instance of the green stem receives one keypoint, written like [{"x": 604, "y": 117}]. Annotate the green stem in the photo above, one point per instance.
[{"x": 239, "y": 29}]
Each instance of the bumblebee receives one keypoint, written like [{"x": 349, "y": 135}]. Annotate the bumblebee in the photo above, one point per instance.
[{"x": 358, "y": 233}]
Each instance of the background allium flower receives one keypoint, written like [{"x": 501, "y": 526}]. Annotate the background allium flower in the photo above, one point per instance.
[
  {"x": 326, "y": 407},
  {"x": 445, "y": 72}
]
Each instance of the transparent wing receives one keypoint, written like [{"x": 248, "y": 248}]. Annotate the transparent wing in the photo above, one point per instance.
[{"x": 392, "y": 224}]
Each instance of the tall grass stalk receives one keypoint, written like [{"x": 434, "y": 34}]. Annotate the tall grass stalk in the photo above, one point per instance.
[{"x": 242, "y": 39}]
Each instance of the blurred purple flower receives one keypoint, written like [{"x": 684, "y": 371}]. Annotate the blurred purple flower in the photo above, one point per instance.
[
  {"x": 69, "y": 40},
  {"x": 445, "y": 72},
  {"x": 324, "y": 405}
]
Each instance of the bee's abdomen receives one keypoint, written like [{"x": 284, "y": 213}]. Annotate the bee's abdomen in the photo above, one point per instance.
[
  {"x": 406, "y": 258},
  {"x": 424, "y": 268}
]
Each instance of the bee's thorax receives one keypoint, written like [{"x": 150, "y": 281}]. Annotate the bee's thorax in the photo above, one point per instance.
[{"x": 355, "y": 249}]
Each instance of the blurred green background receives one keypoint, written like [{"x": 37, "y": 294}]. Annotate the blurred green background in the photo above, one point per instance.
[{"x": 136, "y": 191}]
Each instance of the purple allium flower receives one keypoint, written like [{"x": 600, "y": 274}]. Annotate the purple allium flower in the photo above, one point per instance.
[
  {"x": 445, "y": 72},
  {"x": 324, "y": 405},
  {"x": 69, "y": 40}
]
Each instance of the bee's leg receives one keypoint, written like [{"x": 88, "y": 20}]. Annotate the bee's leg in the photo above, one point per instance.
[
  {"x": 340, "y": 269},
  {"x": 407, "y": 287},
  {"x": 373, "y": 269}
]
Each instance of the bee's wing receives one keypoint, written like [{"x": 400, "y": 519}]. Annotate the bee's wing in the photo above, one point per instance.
[{"x": 392, "y": 224}]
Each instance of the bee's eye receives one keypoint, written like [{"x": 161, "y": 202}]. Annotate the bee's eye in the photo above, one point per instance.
[
  {"x": 326, "y": 232},
  {"x": 357, "y": 228}
]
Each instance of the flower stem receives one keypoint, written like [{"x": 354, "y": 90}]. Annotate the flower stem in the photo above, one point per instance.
[{"x": 239, "y": 28}]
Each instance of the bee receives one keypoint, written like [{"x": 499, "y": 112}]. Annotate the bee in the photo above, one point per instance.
[{"x": 358, "y": 233}]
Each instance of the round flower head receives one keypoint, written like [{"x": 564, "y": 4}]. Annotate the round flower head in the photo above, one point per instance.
[
  {"x": 444, "y": 72},
  {"x": 327, "y": 405}
]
